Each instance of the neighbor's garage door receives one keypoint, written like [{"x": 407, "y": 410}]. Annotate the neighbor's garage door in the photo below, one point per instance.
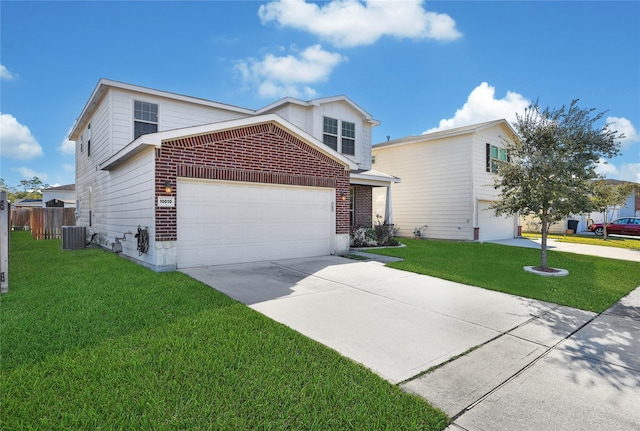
[
  {"x": 492, "y": 227},
  {"x": 222, "y": 222}
]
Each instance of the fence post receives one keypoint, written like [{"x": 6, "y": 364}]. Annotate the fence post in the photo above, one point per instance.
[{"x": 4, "y": 242}]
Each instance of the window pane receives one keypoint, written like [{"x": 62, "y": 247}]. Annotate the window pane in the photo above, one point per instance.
[
  {"x": 348, "y": 146},
  {"x": 348, "y": 130},
  {"x": 141, "y": 128},
  {"x": 331, "y": 141},
  {"x": 494, "y": 152},
  {"x": 145, "y": 111},
  {"x": 494, "y": 166},
  {"x": 330, "y": 125},
  {"x": 503, "y": 155}
]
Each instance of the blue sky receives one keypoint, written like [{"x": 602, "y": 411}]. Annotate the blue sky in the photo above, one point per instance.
[{"x": 415, "y": 66}]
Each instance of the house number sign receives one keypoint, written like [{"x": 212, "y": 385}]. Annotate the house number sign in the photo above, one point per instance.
[{"x": 166, "y": 201}]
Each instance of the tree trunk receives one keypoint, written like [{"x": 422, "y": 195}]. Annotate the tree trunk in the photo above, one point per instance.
[{"x": 543, "y": 245}]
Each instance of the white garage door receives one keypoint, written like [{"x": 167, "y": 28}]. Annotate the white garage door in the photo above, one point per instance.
[
  {"x": 492, "y": 227},
  {"x": 222, "y": 222}
]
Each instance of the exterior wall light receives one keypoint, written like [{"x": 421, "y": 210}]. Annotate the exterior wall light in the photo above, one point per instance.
[
  {"x": 343, "y": 196},
  {"x": 167, "y": 187}
]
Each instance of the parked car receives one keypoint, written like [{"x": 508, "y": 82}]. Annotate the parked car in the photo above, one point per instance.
[{"x": 621, "y": 226}]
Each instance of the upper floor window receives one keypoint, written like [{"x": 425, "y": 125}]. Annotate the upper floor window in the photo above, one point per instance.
[
  {"x": 348, "y": 138},
  {"x": 494, "y": 155},
  {"x": 145, "y": 117},
  {"x": 346, "y": 135},
  {"x": 330, "y": 136}
]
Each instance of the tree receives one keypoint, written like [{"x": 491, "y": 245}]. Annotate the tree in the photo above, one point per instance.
[
  {"x": 551, "y": 159},
  {"x": 607, "y": 195}
]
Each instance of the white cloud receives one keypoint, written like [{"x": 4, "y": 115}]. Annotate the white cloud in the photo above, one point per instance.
[
  {"x": 289, "y": 75},
  {"x": 349, "y": 23},
  {"x": 624, "y": 126},
  {"x": 5, "y": 74},
  {"x": 626, "y": 171},
  {"x": 481, "y": 105},
  {"x": 66, "y": 146},
  {"x": 28, "y": 174},
  {"x": 16, "y": 140}
]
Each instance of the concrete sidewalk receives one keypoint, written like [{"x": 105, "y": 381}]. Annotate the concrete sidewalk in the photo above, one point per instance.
[
  {"x": 536, "y": 366},
  {"x": 568, "y": 247},
  {"x": 589, "y": 380}
]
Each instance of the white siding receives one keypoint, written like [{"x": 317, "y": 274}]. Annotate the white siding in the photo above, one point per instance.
[
  {"x": 121, "y": 199},
  {"x": 435, "y": 188},
  {"x": 344, "y": 112},
  {"x": 300, "y": 116},
  {"x": 172, "y": 114},
  {"x": 88, "y": 175}
]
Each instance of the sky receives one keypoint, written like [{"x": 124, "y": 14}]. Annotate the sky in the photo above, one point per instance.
[{"x": 415, "y": 66}]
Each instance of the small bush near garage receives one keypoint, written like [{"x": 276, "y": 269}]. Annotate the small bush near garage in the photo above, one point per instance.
[
  {"x": 93, "y": 341},
  {"x": 380, "y": 235}
]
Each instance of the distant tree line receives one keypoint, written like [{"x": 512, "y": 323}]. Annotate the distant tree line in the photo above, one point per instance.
[{"x": 27, "y": 189}]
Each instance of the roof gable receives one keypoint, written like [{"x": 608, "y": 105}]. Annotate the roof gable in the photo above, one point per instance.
[
  {"x": 317, "y": 102},
  {"x": 104, "y": 85},
  {"x": 457, "y": 131}
]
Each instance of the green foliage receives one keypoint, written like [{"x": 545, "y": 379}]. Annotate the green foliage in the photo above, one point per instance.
[
  {"x": 593, "y": 283},
  {"x": 31, "y": 189},
  {"x": 92, "y": 341},
  {"x": 606, "y": 195},
  {"x": 551, "y": 162}
]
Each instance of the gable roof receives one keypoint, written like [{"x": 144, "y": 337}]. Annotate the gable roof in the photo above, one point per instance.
[
  {"x": 154, "y": 140},
  {"x": 68, "y": 187},
  {"x": 457, "y": 131},
  {"x": 317, "y": 102},
  {"x": 105, "y": 84}
]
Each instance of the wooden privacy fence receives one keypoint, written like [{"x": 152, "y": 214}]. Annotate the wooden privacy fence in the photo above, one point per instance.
[{"x": 44, "y": 223}]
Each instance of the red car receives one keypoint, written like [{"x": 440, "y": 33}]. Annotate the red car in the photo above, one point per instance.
[{"x": 621, "y": 226}]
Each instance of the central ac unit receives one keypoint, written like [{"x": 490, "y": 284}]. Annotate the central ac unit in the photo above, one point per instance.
[{"x": 74, "y": 237}]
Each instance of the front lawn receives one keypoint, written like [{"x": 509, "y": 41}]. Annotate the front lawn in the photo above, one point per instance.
[
  {"x": 90, "y": 341},
  {"x": 593, "y": 283}
]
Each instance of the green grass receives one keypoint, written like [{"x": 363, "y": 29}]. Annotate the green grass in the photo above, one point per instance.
[
  {"x": 90, "y": 341},
  {"x": 593, "y": 283},
  {"x": 611, "y": 241}
]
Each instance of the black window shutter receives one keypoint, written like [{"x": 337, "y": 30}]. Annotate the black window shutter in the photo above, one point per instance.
[{"x": 488, "y": 157}]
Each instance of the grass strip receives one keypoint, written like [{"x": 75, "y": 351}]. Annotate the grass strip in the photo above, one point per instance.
[{"x": 593, "y": 283}]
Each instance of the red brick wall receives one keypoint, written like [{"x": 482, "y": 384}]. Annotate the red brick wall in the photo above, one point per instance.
[
  {"x": 362, "y": 205},
  {"x": 262, "y": 153}
]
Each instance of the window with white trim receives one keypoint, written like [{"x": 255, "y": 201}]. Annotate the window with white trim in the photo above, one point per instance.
[
  {"x": 335, "y": 131},
  {"x": 348, "y": 138},
  {"x": 330, "y": 132},
  {"x": 495, "y": 155},
  {"x": 145, "y": 118}
]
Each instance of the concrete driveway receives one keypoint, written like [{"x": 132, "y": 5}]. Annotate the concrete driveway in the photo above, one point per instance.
[{"x": 538, "y": 365}]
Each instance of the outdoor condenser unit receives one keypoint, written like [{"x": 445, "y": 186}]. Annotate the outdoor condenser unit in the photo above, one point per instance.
[{"x": 73, "y": 237}]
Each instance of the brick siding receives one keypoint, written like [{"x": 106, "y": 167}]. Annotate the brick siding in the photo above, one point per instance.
[
  {"x": 362, "y": 209},
  {"x": 263, "y": 153}
]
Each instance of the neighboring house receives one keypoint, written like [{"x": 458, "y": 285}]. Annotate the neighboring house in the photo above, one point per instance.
[
  {"x": 27, "y": 203},
  {"x": 61, "y": 196},
  {"x": 631, "y": 208},
  {"x": 173, "y": 181},
  {"x": 447, "y": 182}
]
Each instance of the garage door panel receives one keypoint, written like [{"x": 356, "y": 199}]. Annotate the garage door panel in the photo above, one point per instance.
[
  {"x": 492, "y": 227},
  {"x": 226, "y": 222}
]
